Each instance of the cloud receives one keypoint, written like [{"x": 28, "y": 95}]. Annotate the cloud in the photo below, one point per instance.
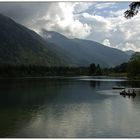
[
  {"x": 56, "y": 16},
  {"x": 63, "y": 21},
  {"x": 116, "y": 29},
  {"x": 130, "y": 46},
  {"x": 106, "y": 42},
  {"x": 99, "y": 21},
  {"x": 105, "y": 5},
  {"x": 23, "y": 12}
]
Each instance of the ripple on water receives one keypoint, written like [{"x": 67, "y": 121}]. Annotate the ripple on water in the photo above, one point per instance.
[
  {"x": 109, "y": 92},
  {"x": 103, "y": 80}
]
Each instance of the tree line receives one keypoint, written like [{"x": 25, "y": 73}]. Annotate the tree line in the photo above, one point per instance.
[
  {"x": 37, "y": 71},
  {"x": 130, "y": 69},
  {"x": 133, "y": 70}
]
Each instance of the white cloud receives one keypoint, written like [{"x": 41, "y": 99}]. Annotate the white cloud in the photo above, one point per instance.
[
  {"x": 116, "y": 29},
  {"x": 106, "y": 42},
  {"x": 129, "y": 46},
  {"x": 63, "y": 21}
]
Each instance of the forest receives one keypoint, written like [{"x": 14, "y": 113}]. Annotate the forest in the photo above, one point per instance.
[{"x": 131, "y": 69}]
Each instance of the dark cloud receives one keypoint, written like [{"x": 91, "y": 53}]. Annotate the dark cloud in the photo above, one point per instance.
[{"x": 24, "y": 11}]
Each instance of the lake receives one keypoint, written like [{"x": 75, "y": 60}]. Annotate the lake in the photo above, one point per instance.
[{"x": 68, "y": 107}]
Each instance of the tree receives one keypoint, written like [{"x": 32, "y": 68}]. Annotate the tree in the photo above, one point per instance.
[
  {"x": 133, "y": 70},
  {"x": 134, "y": 7},
  {"x": 122, "y": 68},
  {"x": 98, "y": 70},
  {"x": 135, "y": 56},
  {"x": 92, "y": 69}
]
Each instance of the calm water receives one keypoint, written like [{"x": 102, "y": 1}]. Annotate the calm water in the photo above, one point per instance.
[{"x": 68, "y": 107}]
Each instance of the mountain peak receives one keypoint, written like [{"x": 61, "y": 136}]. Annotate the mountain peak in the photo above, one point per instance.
[
  {"x": 129, "y": 52},
  {"x": 22, "y": 46},
  {"x": 85, "y": 52},
  {"x": 51, "y": 34}
]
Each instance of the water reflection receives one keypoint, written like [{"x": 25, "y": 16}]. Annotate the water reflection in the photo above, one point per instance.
[
  {"x": 134, "y": 83},
  {"x": 66, "y": 108},
  {"x": 129, "y": 96},
  {"x": 95, "y": 84}
]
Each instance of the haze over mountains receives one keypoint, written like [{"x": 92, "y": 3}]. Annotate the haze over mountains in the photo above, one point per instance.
[
  {"x": 84, "y": 52},
  {"x": 22, "y": 46},
  {"x": 130, "y": 52}
]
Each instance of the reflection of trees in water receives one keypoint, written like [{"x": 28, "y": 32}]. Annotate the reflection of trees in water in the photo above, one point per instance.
[
  {"x": 20, "y": 99},
  {"x": 29, "y": 92},
  {"x": 95, "y": 84},
  {"x": 12, "y": 120},
  {"x": 129, "y": 96},
  {"x": 134, "y": 83},
  {"x": 122, "y": 83},
  {"x": 135, "y": 102}
]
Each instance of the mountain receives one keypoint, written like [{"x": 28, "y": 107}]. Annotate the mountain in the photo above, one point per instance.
[
  {"x": 107, "y": 56},
  {"x": 135, "y": 56},
  {"x": 22, "y": 46},
  {"x": 84, "y": 52},
  {"x": 76, "y": 56},
  {"x": 130, "y": 52}
]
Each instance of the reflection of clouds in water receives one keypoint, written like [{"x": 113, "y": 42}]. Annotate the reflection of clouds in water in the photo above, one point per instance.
[
  {"x": 109, "y": 117},
  {"x": 120, "y": 116},
  {"x": 75, "y": 120},
  {"x": 69, "y": 121},
  {"x": 109, "y": 111}
]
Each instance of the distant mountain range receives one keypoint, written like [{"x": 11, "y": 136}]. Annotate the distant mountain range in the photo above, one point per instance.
[
  {"x": 84, "y": 52},
  {"x": 22, "y": 46}
]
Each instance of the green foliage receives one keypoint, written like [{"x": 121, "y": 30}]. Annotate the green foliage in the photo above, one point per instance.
[
  {"x": 122, "y": 68},
  {"x": 37, "y": 71},
  {"x": 95, "y": 70},
  {"x": 134, "y": 8},
  {"x": 92, "y": 69},
  {"x": 135, "y": 56},
  {"x": 98, "y": 70},
  {"x": 133, "y": 70}
]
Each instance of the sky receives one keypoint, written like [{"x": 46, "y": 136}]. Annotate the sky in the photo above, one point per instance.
[{"x": 103, "y": 22}]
